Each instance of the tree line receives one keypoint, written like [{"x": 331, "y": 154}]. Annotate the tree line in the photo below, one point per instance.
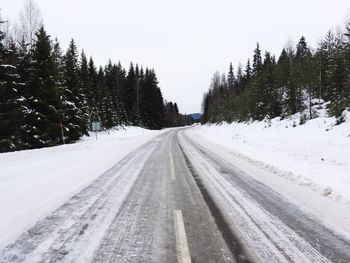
[
  {"x": 48, "y": 97},
  {"x": 299, "y": 80}
]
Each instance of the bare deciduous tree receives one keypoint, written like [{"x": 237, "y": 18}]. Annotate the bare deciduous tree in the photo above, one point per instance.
[{"x": 30, "y": 20}]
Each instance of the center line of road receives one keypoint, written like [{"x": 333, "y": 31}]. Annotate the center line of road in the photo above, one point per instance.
[
  {"x": 182, "y": 251},
  {"x": 172, "y": 169}
]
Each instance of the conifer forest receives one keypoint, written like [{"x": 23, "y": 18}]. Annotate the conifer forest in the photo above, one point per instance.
[
  {"x": 48, "y": 95},
  {"x": 300, "y": 78}
]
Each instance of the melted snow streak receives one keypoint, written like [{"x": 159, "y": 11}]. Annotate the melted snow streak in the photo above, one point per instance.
[
  {"x": 231, "y": 239},
  {"x": 76, "y": 229},
  {"x": 271, "y": 228}
]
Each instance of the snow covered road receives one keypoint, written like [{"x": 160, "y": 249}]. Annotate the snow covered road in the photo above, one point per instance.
[
  {"x": 271, "y": 227},
  {"x": 147, "y": 208},
  {"x": 174, "y": 200}
]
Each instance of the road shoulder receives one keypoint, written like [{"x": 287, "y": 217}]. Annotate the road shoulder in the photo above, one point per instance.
[{"x": 332, "y": 213}]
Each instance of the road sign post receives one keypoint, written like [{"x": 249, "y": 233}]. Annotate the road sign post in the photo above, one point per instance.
[
  {"x": 96, "y": 126},
  {"x": 62, "y": 133}
]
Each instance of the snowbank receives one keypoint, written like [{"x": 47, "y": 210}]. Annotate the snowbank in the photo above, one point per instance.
[
  {"x": 33, "y": 183},
  {"x": 315, "y": 155}
]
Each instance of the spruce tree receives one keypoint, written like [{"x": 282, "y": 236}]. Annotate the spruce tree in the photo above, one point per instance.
[
  {"x": 284, "y": 83},
  {"x": 99, "y": 93},
  {"x": 92, "y": 94},
  {"x": 145, "y": 100},
  {"x": 347, "y": 61},
  {"x": 326, "y": 56},
  {"x": 104, "y": 101},
  {"x": 85, "y": 82},
  {"x": 10, "y": 97},
  {"x": 42, "y": 91},
  {"x": 303, "y": 75},
  {"x": 239, "y": 78},
  {"x": 152, "y": 109},
  {"x": 121, "y": 93},
  {"x": 76, "y": 120},
  {"x": 231, "y": 78},
  {"x": 111, "y": 75},
  {"x": 23, "y": 67},
  {"x": 58, "y": 77},
  {"x": 339, "y": 79},
  {"x": 131, "y": 95},
  {"x": 257, "y": 60},
  {"x": 42, "y": 116},
  {"x": 270, "y": 92},
  {"x": 248, "y": 70},
  {"x": 205, "y": 107}
]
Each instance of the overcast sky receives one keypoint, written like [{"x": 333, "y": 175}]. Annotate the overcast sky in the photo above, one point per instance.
[{"x": 185, "y": 41}]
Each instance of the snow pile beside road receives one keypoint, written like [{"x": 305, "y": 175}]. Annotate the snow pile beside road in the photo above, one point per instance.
[
  {"x": 33, "y": 183},
  {"x": 316, "y": 154}
]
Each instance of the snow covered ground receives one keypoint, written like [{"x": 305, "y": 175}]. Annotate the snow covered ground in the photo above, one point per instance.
[
  {"x": 34, "y": 183},
  {"x": 309, "y": 164}
]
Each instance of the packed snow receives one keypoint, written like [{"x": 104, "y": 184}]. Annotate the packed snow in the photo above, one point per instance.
[
  {"x": 315, "y": 154},
  {"x": 309, "y": 163},
  {"x": 34, "y": 183}
]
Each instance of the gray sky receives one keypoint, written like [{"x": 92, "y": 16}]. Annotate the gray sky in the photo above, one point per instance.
[{"x": 185, "y": 41}]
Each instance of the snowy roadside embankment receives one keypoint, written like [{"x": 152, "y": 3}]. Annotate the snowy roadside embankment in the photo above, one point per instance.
[
  {"x": 315, "y": 155},
  {"x": 33, "y": 183}
]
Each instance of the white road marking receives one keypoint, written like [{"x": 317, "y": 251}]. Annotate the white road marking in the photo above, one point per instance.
[
  {"x": 182, "y": 251},
  {"x": 172, "y": 169}
]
